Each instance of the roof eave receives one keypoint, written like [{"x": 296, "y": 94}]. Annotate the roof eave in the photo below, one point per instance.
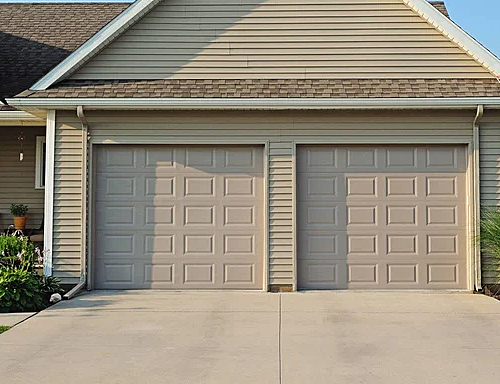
[
  {"x": 10, "y": 118},
  {"x": 252, "y": 104}
]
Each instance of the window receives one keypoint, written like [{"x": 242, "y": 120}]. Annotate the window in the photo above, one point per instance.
[{"x": 40, "y": 163}]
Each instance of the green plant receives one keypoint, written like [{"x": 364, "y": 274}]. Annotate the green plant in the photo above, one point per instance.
[
  {"x": 489, "y": 241},
  {"x": 25, "y": 291},
  {"x": 18, "y": 252},
  {"x": 20, "y": 291},
  {"x": 18, "y": 210},
  {"x": 3, "y": 328},
  {"x": 50, "y": 285}
]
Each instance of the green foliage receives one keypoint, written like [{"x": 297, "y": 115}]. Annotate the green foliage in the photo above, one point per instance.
[
  {"x": 25, "y": 291},
  {"x": 489, "y": 238},
  {"x": 18, "y": 210},
  {"x": 3, "y": 328},
  {"x": 18, "y": 252},
  {"x": 22, "y": 289}
]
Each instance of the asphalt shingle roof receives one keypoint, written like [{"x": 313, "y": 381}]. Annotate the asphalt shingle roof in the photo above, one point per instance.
[
  {"x": 36, "y": 37},
  {"x": 328, "y": 88}
]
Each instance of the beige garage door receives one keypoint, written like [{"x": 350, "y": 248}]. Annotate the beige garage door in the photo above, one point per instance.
[
  {"x": 382, "y": 217},
  {"x": 179, "y": 217}
]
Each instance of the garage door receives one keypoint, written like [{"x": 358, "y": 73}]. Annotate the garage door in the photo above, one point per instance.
[
  {"x": 382, "y": 217},
  {"x": 179, "y": 217}
]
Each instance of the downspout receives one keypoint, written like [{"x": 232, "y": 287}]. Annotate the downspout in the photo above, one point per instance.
[
  {"x": 83, "y": 273},
  {"x": 477, "y": 195}
]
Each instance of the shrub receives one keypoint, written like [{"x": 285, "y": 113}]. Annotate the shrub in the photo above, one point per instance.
[
  {"x": 18, "y": 252},
  {"x": 25, "y": 291},
  {"x": 489, "y": 241},
  {"x": 18, "y": 210},
  {"x": 20, "y": 291},
  {"x": 21, "y": 287}
]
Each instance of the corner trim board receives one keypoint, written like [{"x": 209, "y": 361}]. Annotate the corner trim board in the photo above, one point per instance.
[{"x": 49, "y": 192}]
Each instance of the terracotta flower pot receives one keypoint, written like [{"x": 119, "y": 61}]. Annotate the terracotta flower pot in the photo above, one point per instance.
[{"x": 20, "y": 222}]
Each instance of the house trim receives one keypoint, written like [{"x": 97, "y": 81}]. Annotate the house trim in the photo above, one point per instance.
[
  {"x": 255, "y": 104},
  {"x": 40, "y": 141},
  {"x": 49, "y": 192}
]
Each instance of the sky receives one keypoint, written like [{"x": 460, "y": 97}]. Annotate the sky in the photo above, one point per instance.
[{"x": 480, "y": 18}]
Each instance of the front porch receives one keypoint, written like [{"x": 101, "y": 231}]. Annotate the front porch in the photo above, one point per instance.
[{"x": 22, "y": 177}]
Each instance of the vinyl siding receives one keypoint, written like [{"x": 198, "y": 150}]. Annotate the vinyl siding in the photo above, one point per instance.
[
  {"x": 280, "y": 129},
  {"x": 490, "y": 181},
  {"x": 66, "y": 256},
  {"x": 270, "y": 39},
  {"x": 17, "y": 178}
]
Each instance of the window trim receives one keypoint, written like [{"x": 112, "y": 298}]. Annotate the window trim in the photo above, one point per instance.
[{"x": 39, "y": 161}]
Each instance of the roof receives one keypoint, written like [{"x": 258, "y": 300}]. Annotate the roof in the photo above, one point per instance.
[
  {"x": 34, "y": 44},
  {"x": 35, "y": 37},
  {"x": 441, "y": 7},
  {"x": 287, "y": 88}
]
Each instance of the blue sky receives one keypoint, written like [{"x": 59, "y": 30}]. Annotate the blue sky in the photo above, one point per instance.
[{"x": 480, "y": 18}]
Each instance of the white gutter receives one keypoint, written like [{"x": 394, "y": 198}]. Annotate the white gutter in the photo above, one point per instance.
[
  {"x": 477, "y": 194},
  {"x": 83, "y": 272},
  {"x": 251, "y": 104}
]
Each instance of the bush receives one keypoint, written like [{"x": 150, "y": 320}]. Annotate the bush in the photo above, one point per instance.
[
  {"x": 18, "y": 210},
  {"x": 26, "y": 291},
  {"x": 22, "y": 289},
  {"x": 18, "y": 252},
  {"x": 489, "y": 241}
]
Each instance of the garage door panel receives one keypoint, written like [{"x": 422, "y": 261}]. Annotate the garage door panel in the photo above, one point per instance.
[
  {"x": 399, "y": 220},
  {"x": 193, "y": 217}
]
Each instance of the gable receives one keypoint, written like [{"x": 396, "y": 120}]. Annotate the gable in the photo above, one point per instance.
[{"x": 272, "y": 39}]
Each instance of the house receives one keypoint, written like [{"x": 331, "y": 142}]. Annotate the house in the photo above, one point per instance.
[{"x": 264, "y": 144}]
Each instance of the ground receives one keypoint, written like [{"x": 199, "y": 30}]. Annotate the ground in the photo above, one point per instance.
[{"x": 313, "y": 337}]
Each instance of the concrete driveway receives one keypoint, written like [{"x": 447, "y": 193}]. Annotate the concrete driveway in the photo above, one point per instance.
[{"x": 258, "y": 338}]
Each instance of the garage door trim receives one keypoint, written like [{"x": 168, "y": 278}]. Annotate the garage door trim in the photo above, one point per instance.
[
  {"x": 92, "y": 169},
  {"x": 471, "y": 201}
]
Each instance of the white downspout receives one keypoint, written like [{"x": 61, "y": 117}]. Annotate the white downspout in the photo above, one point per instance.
[
  {"x": 83, "y": 273},
  {"x": 477, "y": 195}
]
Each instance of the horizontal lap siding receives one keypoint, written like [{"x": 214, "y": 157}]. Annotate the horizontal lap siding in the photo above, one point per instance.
[
  {"x": 267, "y": 39},
  {"x": 67, "y": 199},
  {"x": 280, "y": 129},
  {"x": 17, "y": 178},
  {"x": 490, "y": 181}
]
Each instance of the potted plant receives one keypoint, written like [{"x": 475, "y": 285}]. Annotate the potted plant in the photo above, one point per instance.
[{"x": 19, "y": 213}]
